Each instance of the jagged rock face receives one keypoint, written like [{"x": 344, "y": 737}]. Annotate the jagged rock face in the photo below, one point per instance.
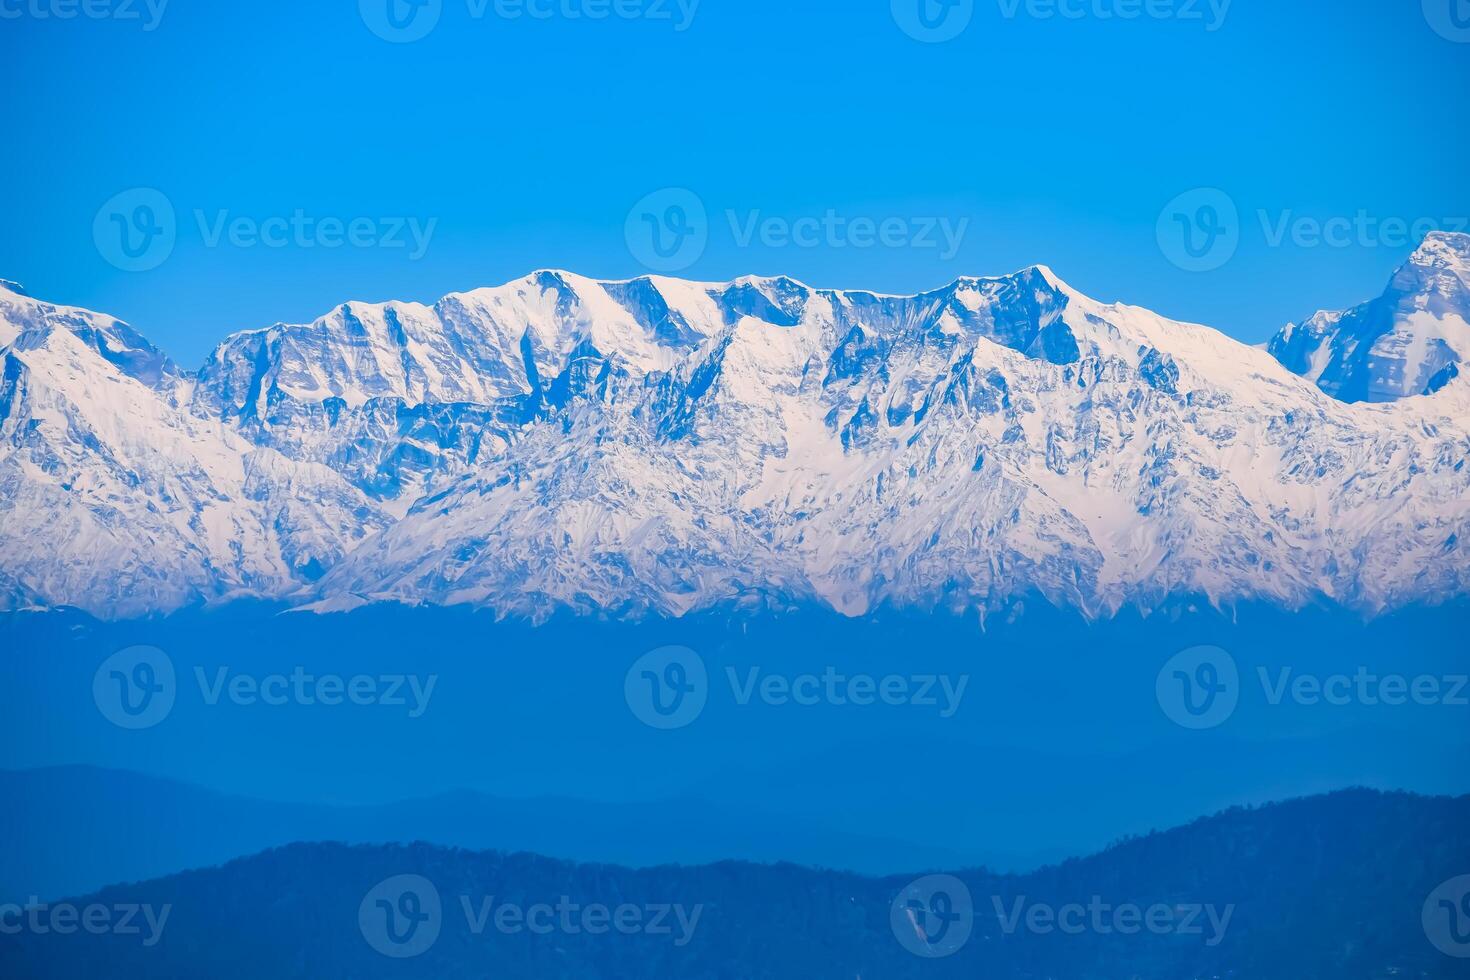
[
  {"x": 1412, "y": 340},
  {"x": 658, "y": 446},
  {"x": 117, "y": 501}
]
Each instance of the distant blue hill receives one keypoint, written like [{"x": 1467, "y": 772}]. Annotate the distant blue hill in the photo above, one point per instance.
[
  {"x": 1059, "y": 747},
  {"x": 1327, "y": 887},
  {"x": 74, "y": 829}
]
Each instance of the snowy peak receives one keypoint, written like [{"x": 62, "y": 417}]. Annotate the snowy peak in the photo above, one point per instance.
[
  {"x": 1437, "y": 277},
  {"x": 116, "y": 501},
  {"x": 501, "y": 344},
  {"x": 1412, "y": 340},
  {"x": 1445, "y": 249},
  {"x": 1022, "y": 312},
  {"x": 24, "y": 321},
  {"x": 656, "y": 446}
]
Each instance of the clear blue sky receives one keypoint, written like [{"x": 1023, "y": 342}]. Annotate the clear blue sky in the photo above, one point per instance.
[{"x": 528, "y": 139}]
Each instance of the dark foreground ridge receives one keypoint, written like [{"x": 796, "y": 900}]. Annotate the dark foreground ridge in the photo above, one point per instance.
[{"x": 1331, "y": 886}]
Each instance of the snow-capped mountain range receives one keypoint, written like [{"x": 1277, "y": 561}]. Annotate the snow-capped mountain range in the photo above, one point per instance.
[
  {"x": 659, "y": 446},
  {"x": 1409, "y": 341}
]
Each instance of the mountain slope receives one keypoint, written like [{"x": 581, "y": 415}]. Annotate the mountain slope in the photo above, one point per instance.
[
  {"x": 1324, "y": 887},
  {"x": 657, "y": 446},
  {"x": 994, "y": 440},
  {"x": 117, "y": 501},
  {"x": 1410, "y": 341}
]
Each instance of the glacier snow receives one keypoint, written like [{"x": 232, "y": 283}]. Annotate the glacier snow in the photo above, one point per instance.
[{"x": 655, "y": 447}]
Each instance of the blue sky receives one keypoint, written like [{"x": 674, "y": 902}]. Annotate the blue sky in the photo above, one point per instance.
[{"x": 526, "y": 140}]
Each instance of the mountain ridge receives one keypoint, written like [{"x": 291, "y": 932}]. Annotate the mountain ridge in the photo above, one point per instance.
[
  {"x": 1319, "y": 886},
  {"x": 1410, "y": 341},
  {"x": 653, "y": 446}
]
